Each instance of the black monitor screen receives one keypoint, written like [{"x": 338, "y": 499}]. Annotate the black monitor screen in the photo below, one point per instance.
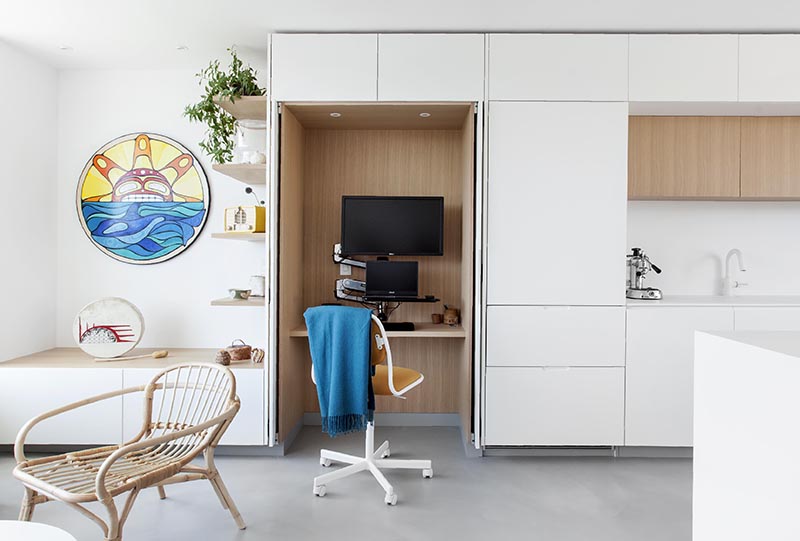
[
  {"x": 392, "y": 225},
  {"x": 392, "y": 278}
]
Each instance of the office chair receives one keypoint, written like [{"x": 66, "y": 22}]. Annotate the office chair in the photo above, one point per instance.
[{"x": 388, "y": 380}]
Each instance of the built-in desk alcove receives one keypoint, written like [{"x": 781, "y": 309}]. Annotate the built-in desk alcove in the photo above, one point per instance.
[{"x": 383, "y": 149}]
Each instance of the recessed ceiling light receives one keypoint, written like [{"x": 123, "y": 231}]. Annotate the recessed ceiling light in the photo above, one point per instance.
[
  {"x": 335, "y": 115},
  {"x": 65, "y": 47},
  {"x": 182, "y": 48},
  {"x": 424, "y": 115}
]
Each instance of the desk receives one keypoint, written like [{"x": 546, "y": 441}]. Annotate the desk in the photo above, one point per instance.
[
  {"x": 422, "y": 330},
  {"x": 15, "y": 530}
]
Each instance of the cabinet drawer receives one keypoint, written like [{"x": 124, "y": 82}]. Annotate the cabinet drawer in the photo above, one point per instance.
[
  {"x": 555, "y": 406},
  {"x": 555, "y": 336},
  {"x": 767, "y": 319},
  {"x": 247, "y": 427}
]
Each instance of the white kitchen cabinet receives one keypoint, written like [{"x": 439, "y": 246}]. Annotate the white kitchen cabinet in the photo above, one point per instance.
[
  {"x": 778, "y": 318},
  {"x": 430, "y": 67},
  {"x": 554, "y": 406},
  {"x": 324, "y": 67},
  {"x": 683, "y": 67},
  {"x": 660, "y": 371},
  {"x": 248, "y": 426},
  {"x": 768, "y": 67},
  {"x": 555, "y": 336},
  {"x": 558, "y": 67},
  {"x": 29, "y": 392},
  {"x": 557, "y": 190}
]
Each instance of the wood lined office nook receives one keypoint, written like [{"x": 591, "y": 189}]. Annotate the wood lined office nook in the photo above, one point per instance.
[{"x": 386, "y": 149}]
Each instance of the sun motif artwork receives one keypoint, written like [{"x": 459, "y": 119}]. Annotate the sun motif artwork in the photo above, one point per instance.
[
  {"x": 108, "y": 327},
  {"x": 142, "y": 198}
]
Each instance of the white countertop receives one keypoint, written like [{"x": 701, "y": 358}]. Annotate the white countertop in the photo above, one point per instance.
[
  {"x": 718, "y": 300},
  {"x": 785, "y": 342}
]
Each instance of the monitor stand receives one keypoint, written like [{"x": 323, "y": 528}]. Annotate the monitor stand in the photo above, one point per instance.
[{"x": 383, "y": 315}]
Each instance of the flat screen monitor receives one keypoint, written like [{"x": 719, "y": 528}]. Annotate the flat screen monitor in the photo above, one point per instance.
[
  {"x": 392, "y": 225},
  {"x": 392, "y": 279}
]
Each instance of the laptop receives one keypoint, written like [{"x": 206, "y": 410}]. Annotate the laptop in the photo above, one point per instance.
[{"x": 392, "y": 280}]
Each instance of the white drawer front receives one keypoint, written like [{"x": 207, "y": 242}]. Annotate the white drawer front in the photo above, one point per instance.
[
  {"x": 555, "y": 336},
  {"x": 555, "y": 406},
  {"x": 767, "y": 319},
  {"x": 247, "y": 427}
]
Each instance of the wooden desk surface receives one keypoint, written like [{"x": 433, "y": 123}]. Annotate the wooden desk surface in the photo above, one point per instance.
[
  {"x": 76, "y": 358},
  {"x": 421, "y": 330}
]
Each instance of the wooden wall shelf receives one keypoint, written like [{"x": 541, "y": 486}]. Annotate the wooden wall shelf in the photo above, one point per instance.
[
  {"x": 247, "y": 237},
  {"x": 243, "y": 172},
  {"x": 226, "y": 301},
  {"x": 421, "y": 330},
  {"x": 246, "y": 107}
]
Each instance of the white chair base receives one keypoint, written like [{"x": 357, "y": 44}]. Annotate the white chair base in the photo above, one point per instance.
[{"x": 374, "y": 460}]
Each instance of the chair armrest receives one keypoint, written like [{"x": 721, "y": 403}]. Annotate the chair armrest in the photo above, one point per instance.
[
  {"x": 19, "y": 443},
  {"x": 100, "y": 485}
]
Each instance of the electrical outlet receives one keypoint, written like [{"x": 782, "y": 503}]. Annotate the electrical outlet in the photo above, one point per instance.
[{"x": 345, "y": 270}]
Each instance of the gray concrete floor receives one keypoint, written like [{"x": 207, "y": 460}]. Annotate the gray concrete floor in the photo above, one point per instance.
[{"x": 494, "y": 498}]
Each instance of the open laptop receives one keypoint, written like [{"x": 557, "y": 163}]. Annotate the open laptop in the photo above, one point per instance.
[{"x": 392, "y": 280}]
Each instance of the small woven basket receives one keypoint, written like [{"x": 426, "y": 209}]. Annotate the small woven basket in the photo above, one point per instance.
[{"x": 240, "y": 351}]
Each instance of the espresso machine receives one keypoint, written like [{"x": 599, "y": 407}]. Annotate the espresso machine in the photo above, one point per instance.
[{"x": 638, "y": 267}]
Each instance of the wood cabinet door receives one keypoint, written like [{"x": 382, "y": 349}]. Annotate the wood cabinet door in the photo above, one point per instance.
[
  {"x": 771, "y": 157},
  {"x": 430, "y": 67},
  {"x": 683, "y": 157},
  {"x": 660, "y": 371},
  {"x": 325, "y": 67},
  {"x": 556, "y": 203}
]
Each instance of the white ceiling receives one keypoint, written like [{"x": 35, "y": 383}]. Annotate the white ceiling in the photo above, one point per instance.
[{"x": 146, "y": 33}]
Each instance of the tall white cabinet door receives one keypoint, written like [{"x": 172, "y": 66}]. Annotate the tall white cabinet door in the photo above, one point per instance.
[
  {"x": 687, "y": 67},
  {"x": 554, "y": 406},
  {"x": 768, "y": 68},
  {"x": 430, "y": 67},
  {"x": 559, "y": 67},
  {"x": 325, "y": 67},
  {"x": 34, "y": 391},
  {"x": 557, "y": 189},
  {"x": 660, "y": 372}
]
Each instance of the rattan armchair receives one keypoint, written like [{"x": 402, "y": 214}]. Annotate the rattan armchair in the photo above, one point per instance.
[{"x": 187, "y": 409}]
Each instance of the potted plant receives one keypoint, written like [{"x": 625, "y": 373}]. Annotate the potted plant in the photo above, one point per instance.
[{"x": 239, "y": 80}]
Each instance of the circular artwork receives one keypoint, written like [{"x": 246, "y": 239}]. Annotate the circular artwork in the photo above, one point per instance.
[
  {"x": 142, "y": 198},
  {"x": 108, "y": 327}
]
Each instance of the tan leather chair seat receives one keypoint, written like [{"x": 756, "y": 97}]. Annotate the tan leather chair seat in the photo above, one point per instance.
[{"x": 403, "y": 377}]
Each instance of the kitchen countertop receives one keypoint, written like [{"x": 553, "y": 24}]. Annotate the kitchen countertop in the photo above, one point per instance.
[{"x": 718, "y": 300}]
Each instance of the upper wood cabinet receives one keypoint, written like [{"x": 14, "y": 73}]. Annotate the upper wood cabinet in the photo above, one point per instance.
[
  {"x": 430, "y": 67},
  {"x": 683, "y": 157},
  {"x": 768, "y": 68},
  {"x": 558, "y": 67},
  {"x": 683, "y": 67},
  {"x": 771, "y": 157},
  {"x": 325, "y": 67}
]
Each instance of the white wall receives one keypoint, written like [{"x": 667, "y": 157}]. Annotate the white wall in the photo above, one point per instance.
[
  {"x": 27, "y": 206},
  {"x": 94, "y": 107},
  {"x": 689, "y": 240}
]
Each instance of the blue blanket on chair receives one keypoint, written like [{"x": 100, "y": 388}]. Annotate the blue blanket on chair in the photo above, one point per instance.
[{"x": 338, "y": 337}]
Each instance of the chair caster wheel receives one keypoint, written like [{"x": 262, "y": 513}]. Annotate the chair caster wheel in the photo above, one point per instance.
[
  {"x": 324, "y": 462},
  {"x": 427, "y": 473},
  {"x": 391, "y": 499},
  {"x": 320, "y": 491},
  {"x": 386, "y": 454}
]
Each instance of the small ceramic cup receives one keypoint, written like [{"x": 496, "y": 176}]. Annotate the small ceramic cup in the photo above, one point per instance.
[{"x": 239, "y": 294}]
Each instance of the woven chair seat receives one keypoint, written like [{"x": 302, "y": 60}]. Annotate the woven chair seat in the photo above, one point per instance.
[{"x": 72, "y": 477}]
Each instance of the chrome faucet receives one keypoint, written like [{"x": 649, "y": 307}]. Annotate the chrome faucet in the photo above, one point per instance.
[{"x": 728, "y": 283}]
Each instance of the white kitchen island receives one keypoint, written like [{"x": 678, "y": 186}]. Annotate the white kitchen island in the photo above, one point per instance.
[{"x": 746, "y": 436}]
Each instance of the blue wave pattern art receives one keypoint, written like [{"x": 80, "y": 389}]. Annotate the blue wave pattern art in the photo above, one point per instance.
[{"x": 142, "y": 231}]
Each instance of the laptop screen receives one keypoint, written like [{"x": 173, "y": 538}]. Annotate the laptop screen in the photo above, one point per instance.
[{"x": 392, "y": 279}]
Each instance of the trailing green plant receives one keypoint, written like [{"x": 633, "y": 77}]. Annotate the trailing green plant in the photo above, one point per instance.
[{"x": 238, "y": 81}]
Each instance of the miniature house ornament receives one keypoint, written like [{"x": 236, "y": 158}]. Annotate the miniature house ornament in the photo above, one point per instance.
[{"x": 142, "y": 198}]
